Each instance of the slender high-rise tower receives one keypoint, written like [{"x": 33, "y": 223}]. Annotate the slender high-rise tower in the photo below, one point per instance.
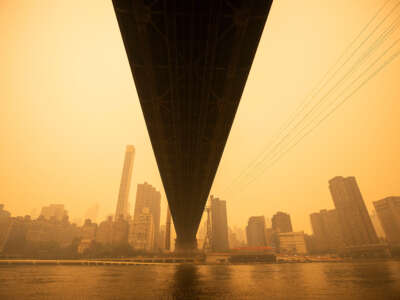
[{"x": 123, "y": 197}]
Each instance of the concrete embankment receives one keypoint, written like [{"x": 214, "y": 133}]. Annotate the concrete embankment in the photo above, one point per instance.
[{"x": 94, "y": 262}]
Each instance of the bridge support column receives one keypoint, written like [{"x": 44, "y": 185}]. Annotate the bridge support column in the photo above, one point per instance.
[{"x": 185, "y": 246}]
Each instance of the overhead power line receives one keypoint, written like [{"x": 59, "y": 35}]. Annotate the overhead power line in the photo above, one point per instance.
[
  {"x": 326, "y": 79},
  {"x": 329, "y": 76},
  {"x": 337, "y": 106}
]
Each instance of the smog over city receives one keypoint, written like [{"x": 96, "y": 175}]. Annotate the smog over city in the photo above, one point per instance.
[{"x": 213, "y": 149}]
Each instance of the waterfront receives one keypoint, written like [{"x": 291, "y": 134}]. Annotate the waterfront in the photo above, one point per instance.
[{"x": 348, "y": 280}]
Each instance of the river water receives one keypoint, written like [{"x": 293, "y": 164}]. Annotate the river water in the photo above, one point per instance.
[{"x": 359, "y": 280}]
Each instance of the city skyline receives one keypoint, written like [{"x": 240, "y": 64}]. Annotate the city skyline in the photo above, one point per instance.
[
  {"x": 346, "y": 230},
  {"x": 72, "y": 152},
  {"x": 235, "y": 149}
]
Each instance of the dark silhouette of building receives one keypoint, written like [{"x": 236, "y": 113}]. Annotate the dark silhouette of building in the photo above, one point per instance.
[
  {"x": 281, "y": 222},
  {"x": 148, "y": 197},
  {"x": 56, "y": 211},
  {"x": 161, "y": 237},
  {"x": 5, "y": 226},
  {"x": 16, "y": 236},
  {"x": 43, "y": 230},
  {"x": 104, "y": 234},
  {"x": 88, "y": 230},
  {"x": 327, "y": 231},
  {"x": 190, "y": 61},
  {"x": 255, "y": 232},
  {"x": 123, "y": 196},
  {"x": 354, "y": 220},
  {"x": 120, "y": 232},
  {"x": 219, "y": 225},
  {"x": 380, "y": 232},
  {"x": 168, "y": 231},
  {"x": 388, "y": 210}
]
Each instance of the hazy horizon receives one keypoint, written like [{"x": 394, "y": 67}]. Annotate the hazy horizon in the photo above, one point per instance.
[{"x": 70, "y": 107}]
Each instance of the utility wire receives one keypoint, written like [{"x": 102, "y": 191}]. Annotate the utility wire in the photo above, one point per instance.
[
  {"x": 376, "y": 44},
  {"x": 363, "y": 83},
  {"x": 383, "y": 37},
  {"x": 321, "y": 84}
]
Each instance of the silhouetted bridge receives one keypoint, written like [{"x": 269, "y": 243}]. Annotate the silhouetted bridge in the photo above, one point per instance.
[{"x": 190, "y": 60}]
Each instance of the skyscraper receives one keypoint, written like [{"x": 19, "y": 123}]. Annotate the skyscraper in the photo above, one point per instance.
[
  {"x": 219, "y": 225},
  {"x": 354, "y": 220},
  {"x": 281, "y": 222},
  {"x": 148, "y": 197},
  {"x": 123, "y": 196},
  {"x": 376, "y": 222},
  {"x": 388, "y": 210},
  {"x": 255, "y": 231},
  {"x": 327, "y": 231}
]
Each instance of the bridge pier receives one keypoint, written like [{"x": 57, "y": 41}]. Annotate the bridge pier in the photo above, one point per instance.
[{"x": 188, "y": 247}]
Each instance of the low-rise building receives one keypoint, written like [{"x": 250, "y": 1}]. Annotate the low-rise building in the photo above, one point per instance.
[
  {"x": 55, "y": 211},
  {"x": 88, "y": 230},
  {"x": 292, "y": 243}
]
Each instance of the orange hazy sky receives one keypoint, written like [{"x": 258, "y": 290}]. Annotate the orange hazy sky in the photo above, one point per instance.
[{"x": 69, "y": 107}]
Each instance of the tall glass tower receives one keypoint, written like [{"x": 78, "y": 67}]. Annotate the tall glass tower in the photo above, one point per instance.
[{"x": 123, "y": 197}]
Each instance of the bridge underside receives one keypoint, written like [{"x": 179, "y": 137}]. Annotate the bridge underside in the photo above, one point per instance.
[{"x": 190, "y": 60}]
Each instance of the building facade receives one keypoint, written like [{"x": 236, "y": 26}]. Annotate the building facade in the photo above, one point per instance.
[
  {"x": 327, "y": 231},
  {"x": 168, "y": 231},
  {"x": 354, "y": 220},
  {"x": 380, "y": 232},
  {"x": 388, "y": 211},
  {"x": 255, "y": 232},
  {"x": 219, "y": 225},
  {"x": 120, "y": 232},
  {"x": 122, "y": 210},
  {"x": 54, "y": 211},
  {"x": 148, "y": 197},
  {"x": 292, "y": 243},
  {"x": 88, "y": 230},
  {"x": 281, "y": 222},
  {"x": 141, "y": 236},
  {"x": 104, "y": 232},
  {"x": 5, "y": 226}
]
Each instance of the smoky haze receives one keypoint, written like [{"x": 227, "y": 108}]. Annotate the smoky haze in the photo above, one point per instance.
[{"x": 69, "y": 108}]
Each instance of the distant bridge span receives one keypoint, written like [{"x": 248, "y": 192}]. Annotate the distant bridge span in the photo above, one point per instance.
[{"x": 190, "y": 60}]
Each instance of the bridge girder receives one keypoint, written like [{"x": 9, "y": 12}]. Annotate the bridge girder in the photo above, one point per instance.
[{"x": 190, "y": 61}]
